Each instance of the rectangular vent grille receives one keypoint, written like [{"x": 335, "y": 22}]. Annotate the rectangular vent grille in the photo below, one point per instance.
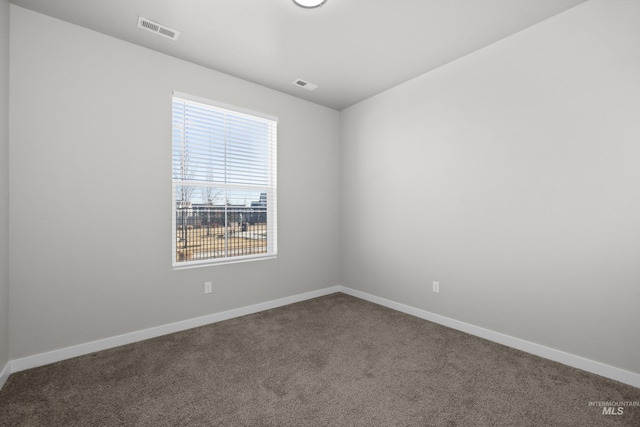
[
  {"x": 305, "y": 84},
  {"x": 154, "y": 27}
]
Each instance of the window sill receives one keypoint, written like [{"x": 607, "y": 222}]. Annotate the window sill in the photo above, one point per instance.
[{"x": 209, "y": 263}]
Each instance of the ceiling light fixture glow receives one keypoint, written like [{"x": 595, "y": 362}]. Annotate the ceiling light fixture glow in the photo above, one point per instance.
[{"x": 309, "y": 4}]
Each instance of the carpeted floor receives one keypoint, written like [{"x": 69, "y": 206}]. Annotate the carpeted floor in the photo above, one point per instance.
[{"x": 330, "y": 361}]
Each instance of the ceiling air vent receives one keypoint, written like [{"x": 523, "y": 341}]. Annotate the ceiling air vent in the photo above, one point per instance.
[
  {"x": 305, "y": 84},
  {"x": 154, "y": 27}
]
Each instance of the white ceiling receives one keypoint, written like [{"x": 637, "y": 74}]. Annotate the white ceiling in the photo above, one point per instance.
[{"x": 352, "y": 49}]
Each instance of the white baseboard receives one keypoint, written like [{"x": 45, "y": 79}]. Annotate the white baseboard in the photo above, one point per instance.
[
  {"x": 4, "y": 374},
  {"x": 588, "y": 365},
  {"x": 572, "y": 360},
  {"x": 29, "y": 362}
]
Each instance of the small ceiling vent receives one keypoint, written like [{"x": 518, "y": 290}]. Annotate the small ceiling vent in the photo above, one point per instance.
[
  {"x": 154, "y": 27},
  {"x": 305, "y": 84}
]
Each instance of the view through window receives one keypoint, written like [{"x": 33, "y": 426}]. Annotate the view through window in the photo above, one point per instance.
[{"x": 224, "y": 183}]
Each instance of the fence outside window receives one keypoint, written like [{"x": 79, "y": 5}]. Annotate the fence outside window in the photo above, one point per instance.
[{"x": 210, "y": 232}]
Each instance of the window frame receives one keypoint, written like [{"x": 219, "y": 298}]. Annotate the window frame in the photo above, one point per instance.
[{"x": 270, "y": 188}]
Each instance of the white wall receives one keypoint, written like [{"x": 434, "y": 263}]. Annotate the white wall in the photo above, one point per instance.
[
  {"x": 4, "y": 184},
  {"x": 512, "y": 177},
  {"x": 91, "y": 190}
]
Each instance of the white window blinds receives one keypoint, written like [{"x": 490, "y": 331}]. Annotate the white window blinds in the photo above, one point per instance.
[{"x": 224, "y": 183}]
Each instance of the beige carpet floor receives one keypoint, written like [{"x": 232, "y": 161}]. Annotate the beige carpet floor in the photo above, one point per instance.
[{"x": 330, "y": 361}]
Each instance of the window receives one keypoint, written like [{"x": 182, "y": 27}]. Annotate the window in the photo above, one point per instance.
[{"x": 224, "y": 183}]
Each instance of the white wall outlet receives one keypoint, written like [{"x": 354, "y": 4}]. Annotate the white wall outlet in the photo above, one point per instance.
[
  {"x": 207, "y": 287},
  {"x": 436, "y": 287}
]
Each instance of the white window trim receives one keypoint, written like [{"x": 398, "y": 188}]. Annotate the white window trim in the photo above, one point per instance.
[{"x": 272, "y": 230}]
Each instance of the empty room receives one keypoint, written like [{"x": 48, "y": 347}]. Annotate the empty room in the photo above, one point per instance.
[{"x": 320, "y": 213}]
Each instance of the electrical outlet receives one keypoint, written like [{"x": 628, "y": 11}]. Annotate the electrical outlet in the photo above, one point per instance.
[
  {"x": 436, "y": 287},
  {"x": 207, "y": 287}
]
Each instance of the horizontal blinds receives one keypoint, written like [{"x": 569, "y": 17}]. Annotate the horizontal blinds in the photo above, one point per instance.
[
  {"x": 215, "y": 145},
  {"x": 224, "y": 183}
]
